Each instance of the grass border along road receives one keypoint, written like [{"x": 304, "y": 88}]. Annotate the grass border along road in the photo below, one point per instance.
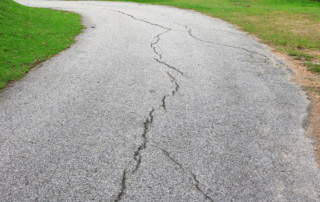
[{"x": 29, "y": 36}]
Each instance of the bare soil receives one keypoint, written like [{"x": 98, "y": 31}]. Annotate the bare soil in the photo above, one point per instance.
[{"x": 310, "y": 82}]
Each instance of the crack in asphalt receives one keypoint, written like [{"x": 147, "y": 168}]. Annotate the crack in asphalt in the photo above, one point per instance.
[
  {"x": 189, "y": 31},
  {"x": 164, "y": 102},
  {"x": 149, "y": 120},
  {"x": 197, "y": 185},
  {"x": 138, "y": 19},
  {"x": 137, "y": 156},
  {"x": 187, "y": 171},
  {"x": 174, "y": 80},
  {"x": 157, "y": 40},
  {"x": 123, "y": 186},
  {"x": 170, "y": 66}
]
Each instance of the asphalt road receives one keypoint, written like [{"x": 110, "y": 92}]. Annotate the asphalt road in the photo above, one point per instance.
[{"x": 156, "y": 104}]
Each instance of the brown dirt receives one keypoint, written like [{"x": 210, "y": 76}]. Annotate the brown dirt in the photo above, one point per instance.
[
  {"x": 297, "y": 23},
  {"x": 310, "y": 82}
]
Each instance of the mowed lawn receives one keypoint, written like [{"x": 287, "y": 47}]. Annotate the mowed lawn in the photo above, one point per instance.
[
  {"x": 290, "y": 26},
  {"x": 31, "y": 35}
]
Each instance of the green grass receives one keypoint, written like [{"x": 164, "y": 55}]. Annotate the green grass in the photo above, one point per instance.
[
  {"x": 299, "y": 55},
  {"x": 313, "y": 67},
  {"x": 290, "y": 26},
  {"x": 31, "y": 35}
]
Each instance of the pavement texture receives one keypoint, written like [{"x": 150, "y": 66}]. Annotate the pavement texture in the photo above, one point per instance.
[{"x": 155, "y": 103}]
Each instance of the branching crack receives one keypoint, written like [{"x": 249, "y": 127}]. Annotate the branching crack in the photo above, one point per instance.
[
  {"x": 169, "y": 66},
  {"x": 153, "y": 45},
  {"x": 174, "y": 80},
  {"x": 196, "y": 181},
  {"x": 157, "y": 38},
  {"x": 142, "y": 20},
  {"x": 137, "y": 156},
  {"x": 189, "y": 30}
]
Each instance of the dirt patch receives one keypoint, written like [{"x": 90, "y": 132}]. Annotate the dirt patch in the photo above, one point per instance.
[
  {"x": 310, "y": 82},
  {"x": 297, "y": 23},
  {"x": 314, "y": 127}
]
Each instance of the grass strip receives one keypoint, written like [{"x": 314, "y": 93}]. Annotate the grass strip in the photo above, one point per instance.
[{"x": 31, "y": 35}]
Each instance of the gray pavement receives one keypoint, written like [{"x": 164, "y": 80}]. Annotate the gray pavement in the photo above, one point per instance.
[{"x": 155, "y": 103}]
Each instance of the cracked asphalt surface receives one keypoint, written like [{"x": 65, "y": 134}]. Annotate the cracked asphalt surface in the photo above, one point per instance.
[{"x": 155, "y": 103}]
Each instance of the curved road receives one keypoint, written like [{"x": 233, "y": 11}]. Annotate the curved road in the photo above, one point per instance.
[{"x": 156, "y": 104}]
